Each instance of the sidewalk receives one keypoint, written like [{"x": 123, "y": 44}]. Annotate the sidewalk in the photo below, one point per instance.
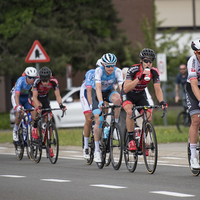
[{"x": 170, "y": 153}]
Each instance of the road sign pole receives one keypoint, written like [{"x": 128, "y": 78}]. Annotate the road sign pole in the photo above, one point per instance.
[{"x": 37, "y": 66}]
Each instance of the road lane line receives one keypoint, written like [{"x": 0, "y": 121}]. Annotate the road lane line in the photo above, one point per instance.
[
  {"x": 108, "y": 186},
  {"x": 56, "y": 180},
  {"x": 174, "y": 194},
  {"x": 13, "y": 176}
]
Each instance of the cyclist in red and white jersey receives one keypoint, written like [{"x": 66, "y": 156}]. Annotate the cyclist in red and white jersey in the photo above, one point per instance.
[
  {"x": 193, "y": 99},
  {"x": 133, "y": 90}
]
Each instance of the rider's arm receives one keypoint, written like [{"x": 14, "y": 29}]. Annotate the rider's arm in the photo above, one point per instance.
[
  {"x": 176, "y": 93},
  {"x": 130, "y": 85},
  {"x": 35, "y": 99},
  {"x": 158, "y": 91},
  {"x": 195, "y": 88},
  {"x": 17, "y": 94},
  {"x": 58, "y": 97},
  {"x": 98, "y": 92}
]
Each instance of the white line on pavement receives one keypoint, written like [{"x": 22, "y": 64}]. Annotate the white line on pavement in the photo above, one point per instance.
[
  {"x": 56, "y": 180},
  {"x": 175, "y": 194},
  {"x": 13, "y": 176},
  {"x": 108, "y": 186}
]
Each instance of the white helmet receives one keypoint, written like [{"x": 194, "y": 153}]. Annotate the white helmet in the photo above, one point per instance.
[
  {"x": 99, "y": 63},
  {"x": 196, "y": 44},
  {"x": 31, "y": 71}
]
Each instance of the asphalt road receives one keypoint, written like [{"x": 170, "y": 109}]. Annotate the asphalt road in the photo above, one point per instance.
[{"x": 70, "y": 178}]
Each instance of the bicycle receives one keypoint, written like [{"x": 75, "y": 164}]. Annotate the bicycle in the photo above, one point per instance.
[
  {"x": 48, "y": 137},
  {"x": 24, "y": 130},
  {"x": 194, "y": 171},
  {"x": 183, "y": 119},
  {"x": 110, "y": 145},
  {"x": 145, "y": 140}
]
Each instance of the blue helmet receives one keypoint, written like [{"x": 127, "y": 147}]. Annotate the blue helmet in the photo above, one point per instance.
[{"x": 109, "y": 59}]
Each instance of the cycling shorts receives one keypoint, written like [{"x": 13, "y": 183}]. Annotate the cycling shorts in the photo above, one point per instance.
[
  {"x": 192, "y": 101},
  {"x": 84, "y": 100}
]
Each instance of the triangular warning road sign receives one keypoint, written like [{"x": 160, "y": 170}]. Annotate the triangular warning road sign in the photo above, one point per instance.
[{"x": 37, "y": 54}]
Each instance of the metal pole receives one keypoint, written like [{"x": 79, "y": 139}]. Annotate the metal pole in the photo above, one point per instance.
[
  {"x": 194, "y": 15},
  {"x": 37, "y": 65},
  {"x": 164, "y": 97}
]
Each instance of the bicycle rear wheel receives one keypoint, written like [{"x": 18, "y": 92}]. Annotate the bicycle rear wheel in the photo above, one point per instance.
[
  {"x": 19, "y": 145},
  {"x": 52, "y": 143},
  {"x": 150, "y": 148},
  {"x": 183, "y": 120},
  {"x": 193, "y": 171},
  {"x": 130, "y": 157},
  {"x": 116, "y": 146},
  {"x": 29, "y": 142},
  {"x": 35, "y": 145}
]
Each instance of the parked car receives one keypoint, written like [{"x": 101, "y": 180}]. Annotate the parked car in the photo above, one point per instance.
[{"x": 74, "y": 116}]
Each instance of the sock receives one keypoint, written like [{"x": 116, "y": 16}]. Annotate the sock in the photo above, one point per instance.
[
  {"x": 193, "y": 150},
  {"x": 97, "y": 146},
  {"x": 130, "y": 136},
  {"x": 116, "y": 120},
  {"x": 86, "y": 140},
  {"x": 35, "y": 124},
  {"x": 16, "y": 127}
]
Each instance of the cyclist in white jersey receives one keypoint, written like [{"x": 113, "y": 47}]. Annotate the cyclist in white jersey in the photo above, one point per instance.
[
  {"x": 193, "y": 99},
  {"x": 86, "y": 102},
  {"x": 105, "y": 77}
]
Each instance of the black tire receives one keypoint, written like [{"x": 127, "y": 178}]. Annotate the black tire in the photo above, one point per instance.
[
  {"x": 103, "y": 147},
  {"x": 91, "y": 148},
  {"x": 150, "y": 148},
  {"x": 28, "y": 148},
  {"x": 116, "y": 146},
  {"x": 183, "y": 120},
  {"x": 19, "y": 146},
  {"x": 53, "y": 143},
  {"x": 130, "y": 157},
  {"x": 193, "y": 171},
  {"x": 35, "y": 146}
]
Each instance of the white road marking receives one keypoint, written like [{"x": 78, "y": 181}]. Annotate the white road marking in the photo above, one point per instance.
[
  {"x": 70, "y": 151},
  {"x": 56, "y": 180},
  {"x": 13, "y": 176},
  {"x": 173, "y": 158},
  {"x": 174, "y": 194},
  {"x": 108, "y": 186}
]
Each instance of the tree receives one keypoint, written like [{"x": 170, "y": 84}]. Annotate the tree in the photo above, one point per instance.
[{"x": 72, "y": 31}]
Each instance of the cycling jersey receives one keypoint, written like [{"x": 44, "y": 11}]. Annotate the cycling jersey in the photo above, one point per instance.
[
  {"x": 88, "y": 83},
  {"x": 134, "y": 72},
  {"x": 107, "y": 81},
  {"x": 44, "y": 91}
]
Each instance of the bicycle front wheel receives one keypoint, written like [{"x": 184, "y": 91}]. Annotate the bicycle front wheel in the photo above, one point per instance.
[
  {"x": 116, "y": 146},
  {"x": 130, "y": 157},
  {"x": 193, "y": 171},
  {"x": 183, "y": 120},
  {"x": 150, "y": 148},
  {"x": 52, "y": 143},
  {"x": 19, "y": 145}
]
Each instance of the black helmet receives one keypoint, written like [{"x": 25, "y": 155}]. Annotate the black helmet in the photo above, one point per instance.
[
  {"x": 147, "y": 53},
  {"x": 45, "y": 74}
]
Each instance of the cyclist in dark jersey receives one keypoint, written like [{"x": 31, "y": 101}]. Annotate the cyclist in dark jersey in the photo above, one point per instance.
[
  {"x": 133, "y": 89},
  {"x": 40, "y": 95}
]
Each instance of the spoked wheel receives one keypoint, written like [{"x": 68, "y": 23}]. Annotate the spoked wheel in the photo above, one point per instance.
[
  {"x": 183, "y": 120},
  {"x": 130, "y": 157},
  {"x": 52, "y": 143},
  {"x": 116, "y": 146},
  {"x": 150, "y": 148},
  {"x": 193, "y": 171},
  {"x": 28, "y": 148},
  {"x": 103, "y": 148},
  {"x": 35, "y": 147},
  {"x": 91, "y": 148},
  {"x": 19, "y": 146}
]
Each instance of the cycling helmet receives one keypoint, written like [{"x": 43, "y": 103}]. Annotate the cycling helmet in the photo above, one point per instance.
[
  {"x": 109, "y": 59},
  {"x": 196, "y": 44},
  {"x": 30, "y": 71},
  {"x": 147, "y": 53},
  {"x": 45, "y": 74},
  {"x": 99, "y": 63}
]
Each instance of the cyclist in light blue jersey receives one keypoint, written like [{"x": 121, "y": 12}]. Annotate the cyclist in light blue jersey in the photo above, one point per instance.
[
  {"x": 105, "y": 77},
  {"x": 19, "y": 96},
  {"x": 86, "y": 102}
]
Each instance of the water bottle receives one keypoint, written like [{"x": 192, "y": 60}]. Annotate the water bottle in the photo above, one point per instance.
[
  {"x": 137, "y": 132},
  {"x": 106, "y": 132},
  {"x": 147, "y": 76}
]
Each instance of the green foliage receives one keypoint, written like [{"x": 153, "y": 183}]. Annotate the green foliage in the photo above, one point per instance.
[
  {"x": 73, "y": 31},
  {"x": 4, "y": 121}
]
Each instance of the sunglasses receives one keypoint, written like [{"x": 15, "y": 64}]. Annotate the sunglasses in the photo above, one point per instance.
[
  {"x": 29, "y": 77},
  {"x": 197, "y": 52},
  {"x": 109, "y": 66},
  {"x": 147, "y": 60}
]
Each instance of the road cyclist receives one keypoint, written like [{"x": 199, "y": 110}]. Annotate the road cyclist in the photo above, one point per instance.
[
  {"x": 39, "y": 97},
  {"x": 19, "y": 97},
  {"x": 105, "y": 77},
  {"x": 193, "y": 103},
  {"x": 133, "y": 90}
]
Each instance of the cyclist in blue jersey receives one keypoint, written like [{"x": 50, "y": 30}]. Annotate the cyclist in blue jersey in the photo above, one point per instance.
[
  {"x": 86, "y": 102},
  {"x": 105, "y": 77},
  {"x": 19, "y": 96}
]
